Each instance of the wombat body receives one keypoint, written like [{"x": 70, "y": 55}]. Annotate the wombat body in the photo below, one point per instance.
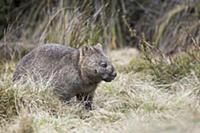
[{"x": 72, "y": 72}]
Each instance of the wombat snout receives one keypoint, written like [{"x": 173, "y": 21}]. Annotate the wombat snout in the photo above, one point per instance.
[
  {"x": 114, "y": 74},
  {"x": 110, "y": 75}
]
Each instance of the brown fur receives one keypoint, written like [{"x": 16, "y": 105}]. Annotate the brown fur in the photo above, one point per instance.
[{"x": 72, "y": 72}]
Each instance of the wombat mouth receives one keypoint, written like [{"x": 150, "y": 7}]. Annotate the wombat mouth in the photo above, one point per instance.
[{"x": 108, "y": 78}]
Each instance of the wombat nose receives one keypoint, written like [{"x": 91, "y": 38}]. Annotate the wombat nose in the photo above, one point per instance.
[{"x": 114, "y": 74}]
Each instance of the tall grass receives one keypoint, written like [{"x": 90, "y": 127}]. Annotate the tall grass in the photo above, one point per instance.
[
  {"x": 74, "y": 23},
  {"x": 87, "y": 22}
]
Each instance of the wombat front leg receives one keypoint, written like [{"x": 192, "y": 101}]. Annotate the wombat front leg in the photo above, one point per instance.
[
  {"x": 64, "y": 96},
  {"x": 87, "y": 99}
]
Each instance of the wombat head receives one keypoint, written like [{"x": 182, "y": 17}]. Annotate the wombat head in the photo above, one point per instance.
[{"x": 94, "y": 65}]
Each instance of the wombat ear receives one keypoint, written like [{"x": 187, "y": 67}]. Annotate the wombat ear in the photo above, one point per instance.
[
  {"x": 99, "y": 47},
  {"x": 85, "y": 49}
]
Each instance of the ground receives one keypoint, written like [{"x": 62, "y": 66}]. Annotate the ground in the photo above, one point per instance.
[{"x": 133, "y": 102}]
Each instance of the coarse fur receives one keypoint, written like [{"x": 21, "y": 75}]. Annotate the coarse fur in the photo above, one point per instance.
[{"x": 72, "y": 72}]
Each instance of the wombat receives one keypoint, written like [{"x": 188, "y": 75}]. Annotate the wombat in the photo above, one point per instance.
[{"x": 73, "y": 71}]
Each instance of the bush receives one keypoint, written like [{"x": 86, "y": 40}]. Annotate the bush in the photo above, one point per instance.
[{"x": 166, "y": 70}]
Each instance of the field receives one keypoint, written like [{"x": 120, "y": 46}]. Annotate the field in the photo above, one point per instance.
[
  {"x": 154, "y": 45},
  {"x": 133, "y": 102}
]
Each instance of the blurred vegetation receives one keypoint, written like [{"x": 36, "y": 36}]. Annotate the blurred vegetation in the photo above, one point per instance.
[{"x": 165, "y": 24}]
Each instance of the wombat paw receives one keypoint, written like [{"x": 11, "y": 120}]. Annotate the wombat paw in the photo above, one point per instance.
[{"x": 88, "y": 105}]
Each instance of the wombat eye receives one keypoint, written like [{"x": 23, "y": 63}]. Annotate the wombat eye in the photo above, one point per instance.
[{"x": 103, "y": 64}]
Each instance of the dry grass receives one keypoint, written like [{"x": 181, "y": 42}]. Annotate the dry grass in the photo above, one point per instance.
[
  {"x": 135, "y": 101},
  {"x": 131, "y": 103}
]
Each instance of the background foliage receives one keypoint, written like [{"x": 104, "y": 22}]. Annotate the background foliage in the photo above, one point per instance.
[{"x": 168, "y": 25}]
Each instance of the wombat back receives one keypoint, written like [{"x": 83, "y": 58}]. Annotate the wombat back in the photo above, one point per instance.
[{"x": 45, "y": 57}]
